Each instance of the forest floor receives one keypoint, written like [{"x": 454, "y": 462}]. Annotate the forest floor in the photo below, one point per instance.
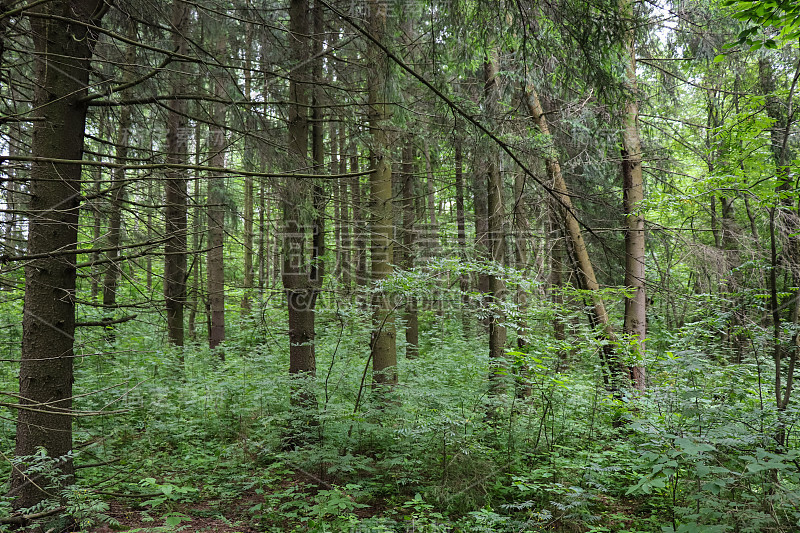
[{"x": 200, "y": 518}]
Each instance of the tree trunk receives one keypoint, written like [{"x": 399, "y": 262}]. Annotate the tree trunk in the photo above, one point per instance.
[
  {"x": 344, "y": 213},
  {"x": 215, "y": 263},
  {"x": 599, "y": 316},
  {"x": 197, "y": 259},
  {"x": 481, "y": 202},
  {"x": 113, "y": 270},
  {"x": 432, "y": 229},
  {"x": 97, "y": 219},
  {"x": 496, "y": 234},
  {"x": 521, "y": 254},
  {"x": 300, "y": 294},
  {"x": 249, "y": 164},
  {"x": 384, "y": 355},
  {"x": 635, "y": 325},
  {"x": 61, "y": 75},
  {"x": 407, "y": 256},
  {"x": 337, "y": 205},
  {"x": 175, "y": 187},
  {"x": 555, "y": 282},
  {"x": 359, "y": 225},
  {"x": 461, "y": 227}
]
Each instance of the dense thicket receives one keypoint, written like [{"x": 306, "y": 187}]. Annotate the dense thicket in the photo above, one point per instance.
[{"x": 332, "y": 266}]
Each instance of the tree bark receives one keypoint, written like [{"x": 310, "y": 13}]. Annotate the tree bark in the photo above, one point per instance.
[
  {"x": 113, "y": 269},
  {"x": 215, "y": 264},
  {"x": 521, "y": 254},
  {"x": 407, "y": 256},
  {"x": 249, "y": 164},
  {"x": 359, "y": 225},
  {"x": 635, "y": 325},
  {"x": 384, "y": 355},
  {"x": 461, "y": 227},
  {"x": 175, "y": 187},
  {"x": 63, "y": 51},
  {"x": 300, "y": 293},
  {"x": 599, "y": 316},
  {"x": 344, "y": 213},
  {"x": 496, "y": 234}
]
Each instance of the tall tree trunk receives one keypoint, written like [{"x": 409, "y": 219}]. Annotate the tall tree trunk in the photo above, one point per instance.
[
  {"x": 359, "y": 225},
  {"x": 300, "y": 295},
  {"x": 496, "y": 234},
  {"x": 175, "y": 187},
  {"x": 97, "y": 220},
  {"x": 432, "y": 226},
  {"x": 635, "y": 325},
  {"x": 63, "y": 50},
  {"x": 461, "y": 226},
  {"x": 197, "y": 258},
  {"x": 407, "y": 257},
  {"x": 318, "y": 195},
  {"x": 384, "y": 354},
  {"x": 113, "y": 270},
  {"x": 215, "y": 264},
  {"x": 249, "y": 163},
  {"x": 521, "y": 254},
  {"x": 787, "y": 214},
  {"x": 333, "y": 166},
  {"x": 555, "y": 281},
  {"x": 344, "y": 213},
  {"x": 480, "y": 201},
  {"x": 263, "y": 241},
  {"x": 599, "y": 316}
]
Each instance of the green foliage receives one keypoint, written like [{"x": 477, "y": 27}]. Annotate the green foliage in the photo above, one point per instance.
[{"x": 780, "y": 15}]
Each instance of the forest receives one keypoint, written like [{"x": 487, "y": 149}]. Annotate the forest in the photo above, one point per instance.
[{"x": 399, "y": 266}]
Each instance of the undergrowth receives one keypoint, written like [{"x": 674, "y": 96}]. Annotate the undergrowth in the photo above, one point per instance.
[{"x": 557, "y": 453}]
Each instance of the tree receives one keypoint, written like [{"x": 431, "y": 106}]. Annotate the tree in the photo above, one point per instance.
[
  {"x": 496, "y": 230},
  {"x": 301, "y": 291},
  {"x": 633, "y": 196},
  {"x": 383, "y": 347},
  {"x": 175, "y": 187},
  {"x": 215, "y": 264},
  {"x": 585, "y": 269},
  {"x": 60, "y": 29}
]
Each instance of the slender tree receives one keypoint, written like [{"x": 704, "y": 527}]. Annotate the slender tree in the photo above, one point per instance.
[
  {"x": 635, "y": 325},
  {"x": 215, "y": 265},
  {"x": 384, "y": 354},
  {"x": 175, "y": 185}
]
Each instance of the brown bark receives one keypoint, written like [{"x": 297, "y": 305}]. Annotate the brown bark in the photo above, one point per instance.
[
  {"x": 359, "y": 225},
  {"x": 384, "y": 355},
  {"x": 61, "y": 75},
  {"x": 496, "y": 234},
  {"x": 521, "y": 254},
  {"x": 344, "y": 213},
  {"x": 175, "y": 188},
  {"x": 555, "y": 281},
  {"x": 407, "y": 253},
  {"x": 215, "y": 262},
  {"x": 481, "y": 202},
  {"x": 337, "y": 205},
  {"x": 249, "y": 163},
  {"x": 432, "y": 229},
  {"x": 97, "y": 219},
  {"x": 113, "y": 270},
  {"x": 461, "y": 227},
  {"x": 635, "y": 325},
  {"x": 301, "y": 294}
]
